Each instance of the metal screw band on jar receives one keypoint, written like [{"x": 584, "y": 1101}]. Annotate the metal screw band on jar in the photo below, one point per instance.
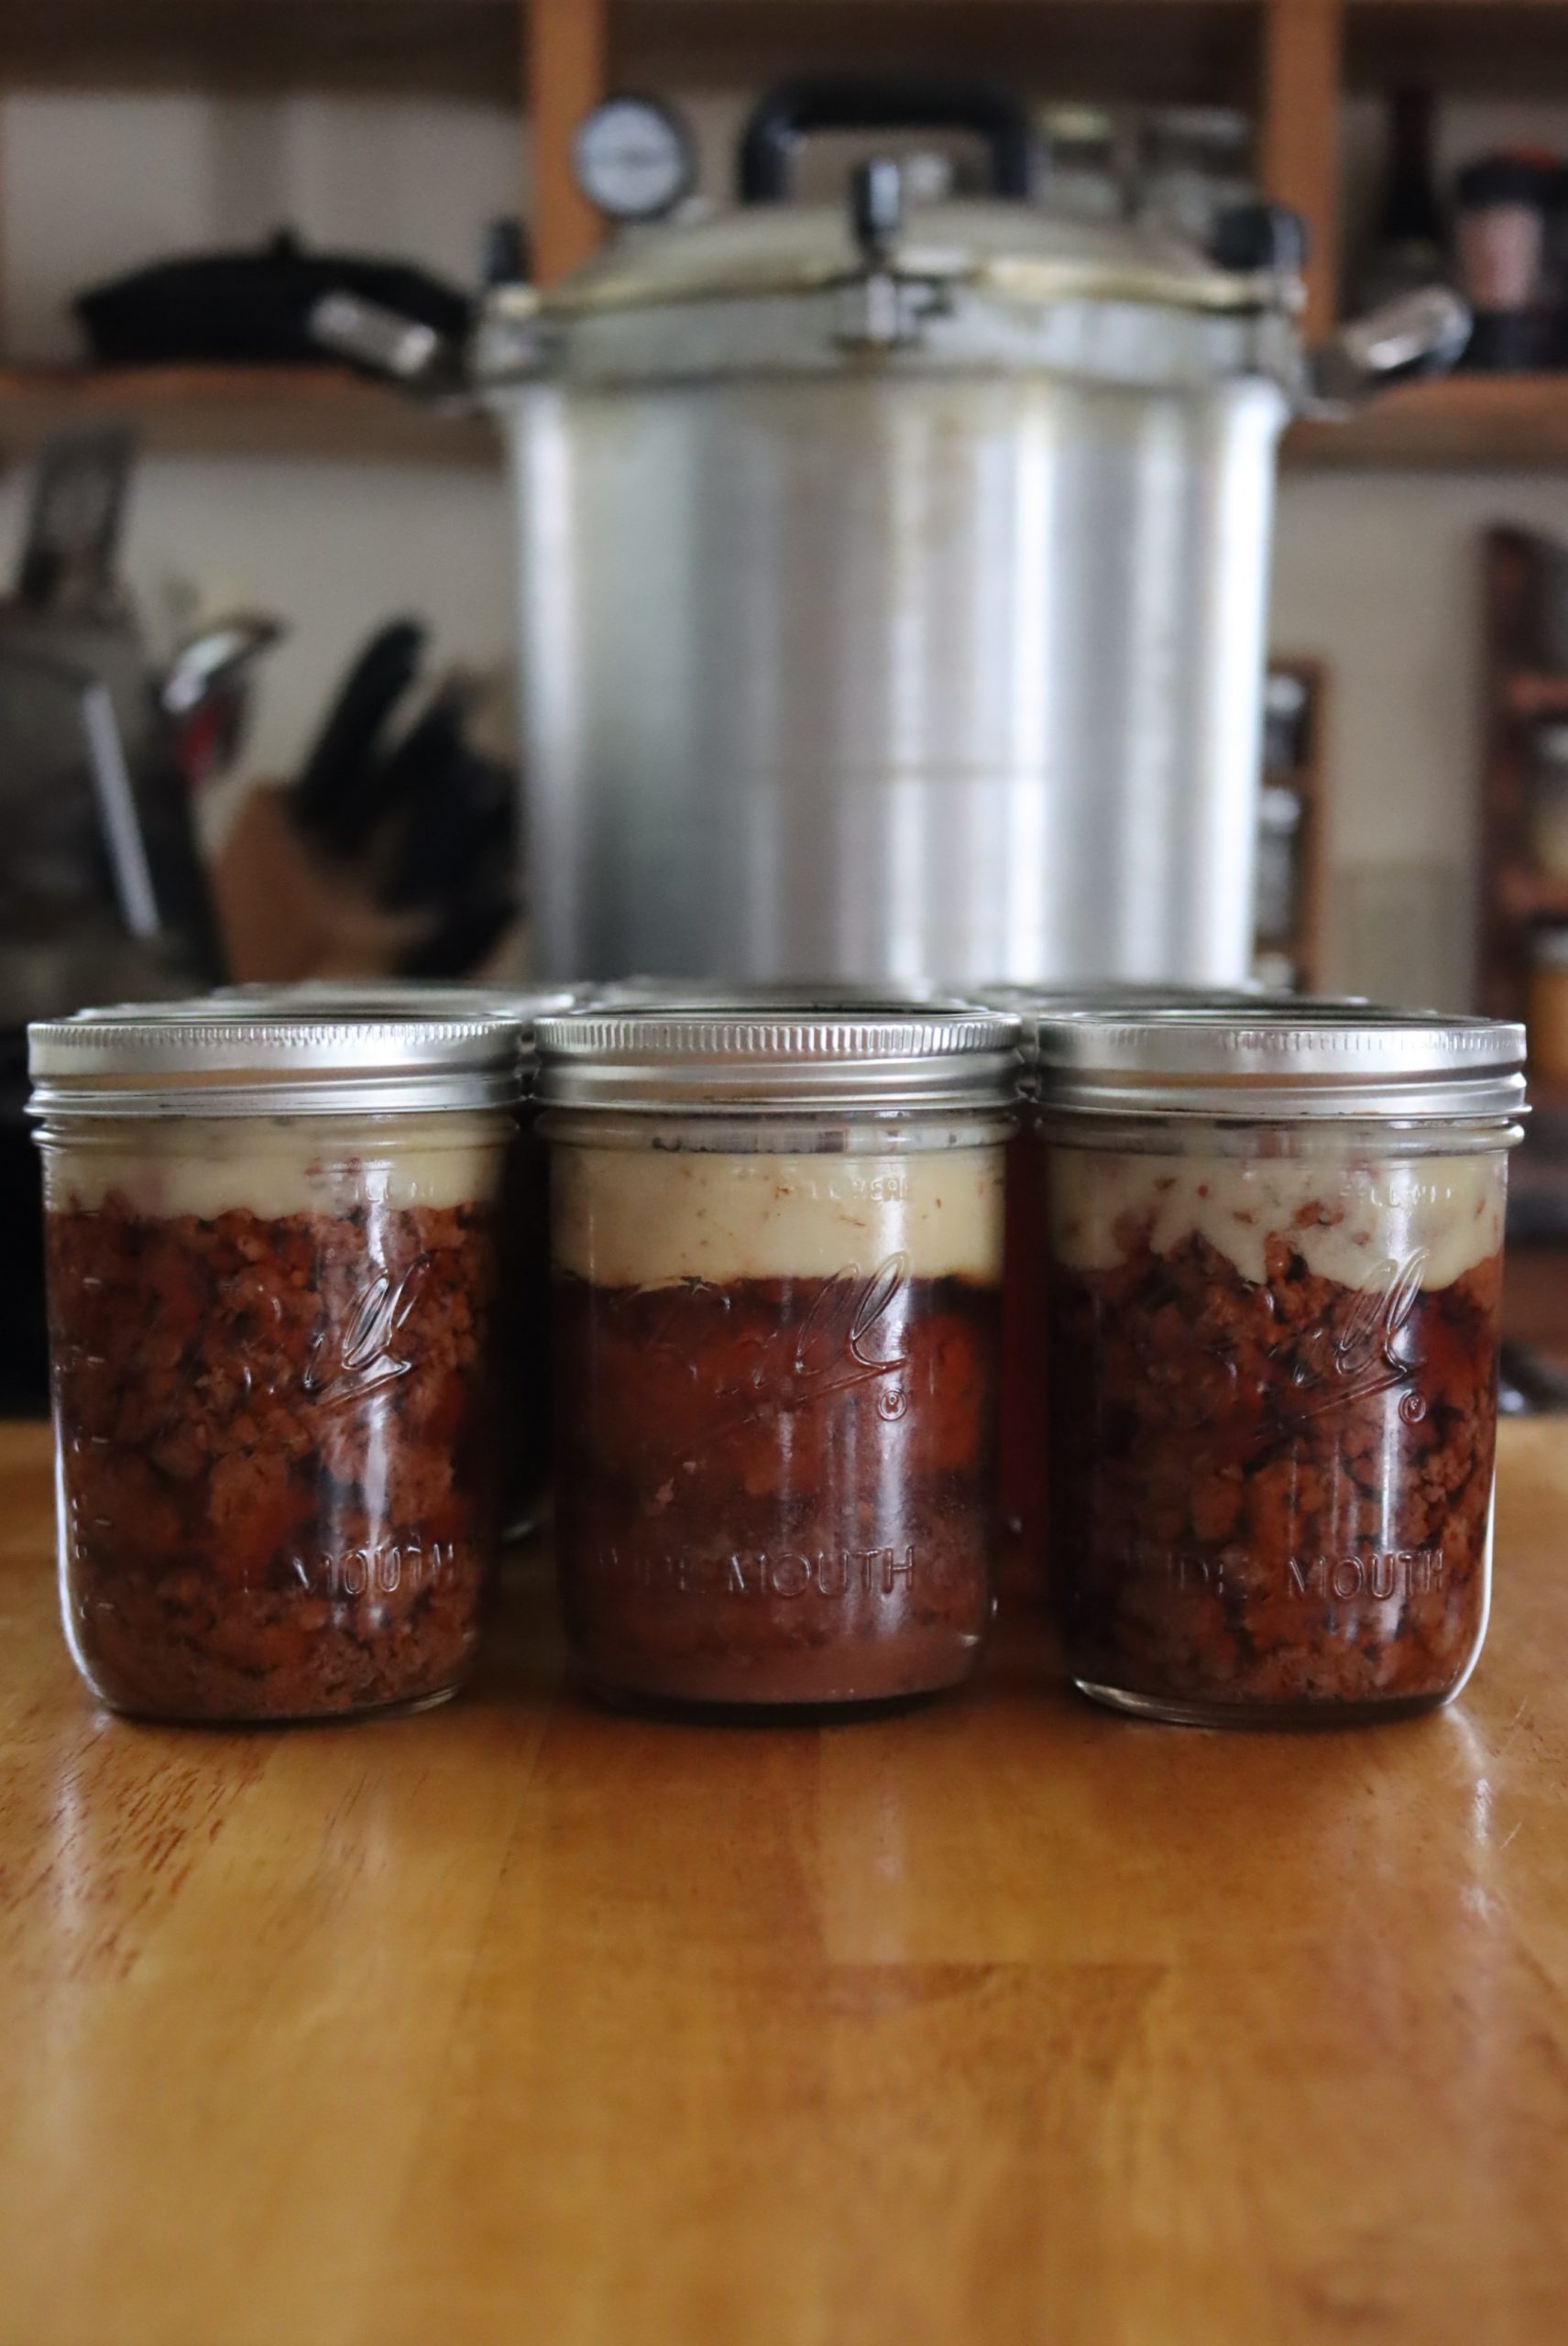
[
  {"x": 1255, "y": 1066},
  {"x": 184, "y": 1059},
  {"x": 641, "y": 992},
  {"x": 400, "y": 998},
  {"x": 888, "y": 1057},
  {"x": 1117, "y": 998}
]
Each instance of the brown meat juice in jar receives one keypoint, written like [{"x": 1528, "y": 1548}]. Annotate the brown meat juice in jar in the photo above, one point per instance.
[
  {"x": 776, "y": 1315},
  {"x": 272, "y": 1282},
  {"x": 1275, "y": 1264}
]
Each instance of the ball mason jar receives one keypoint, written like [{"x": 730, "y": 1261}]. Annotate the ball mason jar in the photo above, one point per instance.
[
  {"x": 1023, "y": 1466},
  {"x": 524, "y": 1239},
  {"x": 1274, "y": 1268},
  {"x": 272, "y": 1259},
  {"x": 777, "y": 1248}
]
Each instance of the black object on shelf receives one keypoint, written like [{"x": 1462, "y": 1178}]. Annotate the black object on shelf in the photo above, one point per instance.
[
  {"x": 1408, "y": 247},
  {"x": 1503, "y": 235},
  {"x": 252, "y": 308}
]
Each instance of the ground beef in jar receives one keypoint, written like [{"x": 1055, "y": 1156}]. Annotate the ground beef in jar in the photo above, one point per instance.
[
  {"x": 776, "y": 1491},
  {"x": 277, "y": 1455},
  {"x": 1271, "y": 1494}
]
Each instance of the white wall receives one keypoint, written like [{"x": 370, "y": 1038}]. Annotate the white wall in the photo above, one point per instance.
[
  {"x": 95, "y": 185},
  {"x": 1379, "y": 575},
  {"x": 333, "y": 548},
  {"x": 1376, "y": 572}
]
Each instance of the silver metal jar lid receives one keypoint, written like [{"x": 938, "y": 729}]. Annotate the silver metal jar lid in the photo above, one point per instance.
[
  {"x": 1030, "y": 1004},
  {"x": 889, "y": 1056},
  {"x": 1110, "y": 998},
  {"x": 1286, "y": 1063},
  {"x": 640, "y": 993},
  {"x": 400, "y": 998},
  {"x": 160, "y": 1060}
]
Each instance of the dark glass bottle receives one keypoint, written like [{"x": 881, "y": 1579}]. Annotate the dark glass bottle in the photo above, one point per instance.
[{"x": 1408, "y": 246}]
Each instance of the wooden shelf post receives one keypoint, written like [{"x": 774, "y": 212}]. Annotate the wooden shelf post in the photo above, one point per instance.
[
  {"x": 1302, "y": 49},
  {"x": 567, "y": 49}
]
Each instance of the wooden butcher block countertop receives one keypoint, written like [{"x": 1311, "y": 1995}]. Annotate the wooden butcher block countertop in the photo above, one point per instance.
[{"x": 1005, "y": 2020}]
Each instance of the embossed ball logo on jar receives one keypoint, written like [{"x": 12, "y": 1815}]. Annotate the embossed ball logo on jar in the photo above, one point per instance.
[
  {"x": 847, "y": 1336},
  {"x": 358, "y": 1353},
  {"x": 1354, "y": 1353}
]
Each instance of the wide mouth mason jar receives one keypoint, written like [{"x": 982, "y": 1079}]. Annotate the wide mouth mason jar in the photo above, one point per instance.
[
  {"x": 524, "y": 1238},
  {"x": 777, "y": 1247},
  {"x": 1022, "y": 1468},
  {"x": 272, "y": 1258},
  {"x": 1275, "y": 1266}
]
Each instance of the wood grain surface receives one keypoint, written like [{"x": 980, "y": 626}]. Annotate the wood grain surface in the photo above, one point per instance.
[{"x": 1003, "y": 2022}]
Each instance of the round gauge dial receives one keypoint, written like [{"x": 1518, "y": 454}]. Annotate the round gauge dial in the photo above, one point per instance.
[{"x": 633, "y": 159}]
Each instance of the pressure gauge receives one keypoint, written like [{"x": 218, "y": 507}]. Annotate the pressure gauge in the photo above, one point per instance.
[{"x": 633, "y": 159}]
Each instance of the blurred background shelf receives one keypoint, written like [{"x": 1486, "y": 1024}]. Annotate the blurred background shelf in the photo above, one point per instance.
[
  {"x": 1525, "y": 894},
  {"x": 472, "y": 45},
  {"x": 1294, "y": 62},
  {"x": 1468, "y": 420},
  {"x": 294, "y": 411},
  {"x": 433, "y": 48},
  {"x": 1535, "y": 693}
]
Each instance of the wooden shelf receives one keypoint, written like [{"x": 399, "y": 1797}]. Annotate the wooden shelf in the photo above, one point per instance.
[
  {"x": 1488, "y": 420},
  {"x": 1530, "y": 695},
  {"x": 318, "y": 412},
  {"x": 474, "y": 47},
  {"x": 1525, "y": 895},
  {"x": 436, "y": 48},
  {"x": 1174, "y": 51},
  {"x": 239, "y": 411}
]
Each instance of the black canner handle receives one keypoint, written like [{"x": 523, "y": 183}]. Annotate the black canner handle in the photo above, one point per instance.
[{"x": 812, "y": 102}]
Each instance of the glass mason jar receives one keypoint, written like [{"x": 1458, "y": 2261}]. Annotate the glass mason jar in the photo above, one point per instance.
[
  {"x": 1023, "y": 1458},
  {"x": 1275, "y": 1252},
  {"x": 524, "y": 1221},
  {"x": 777, "y": 1244},
  {"x": 272, "y": 1287}
]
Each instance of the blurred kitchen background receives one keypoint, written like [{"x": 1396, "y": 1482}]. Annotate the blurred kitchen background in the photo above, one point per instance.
[{"x": 201, "y": 515}]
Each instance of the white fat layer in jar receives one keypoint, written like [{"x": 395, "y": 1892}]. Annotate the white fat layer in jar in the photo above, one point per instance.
[
  {"x": 274, "y": 1167},
  {"x": 1345, "y": 1214},
  {"x": 647, "y": 1217}
]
